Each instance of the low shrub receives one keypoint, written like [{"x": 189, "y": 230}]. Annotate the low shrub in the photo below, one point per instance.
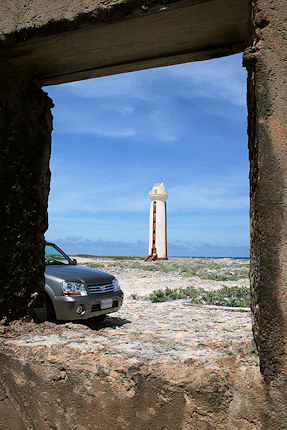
[
  {"x": 157, "y": 296},
  {"x": 95, "y": 265},
  {"x": 226, "y": 296}
]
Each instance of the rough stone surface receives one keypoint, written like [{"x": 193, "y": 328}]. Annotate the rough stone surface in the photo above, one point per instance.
[
  {"x": 151, "y": 366},
  {"x": 73, "y": 381},
  {"x": 267, "y": 93},
  {"x": 266, "y": 63},
  {"x": 62, "y": 41},
  {"x": 25, "y": 130},
  {"x": 27, "y": 16}
]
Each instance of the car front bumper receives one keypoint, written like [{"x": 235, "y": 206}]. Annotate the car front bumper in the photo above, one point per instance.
[{"x": 65, "y": 307}]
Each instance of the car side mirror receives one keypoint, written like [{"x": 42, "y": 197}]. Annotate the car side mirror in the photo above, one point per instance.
[{"x": 74, "y": 261}]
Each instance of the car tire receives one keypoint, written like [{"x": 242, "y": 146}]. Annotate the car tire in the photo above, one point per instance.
[
  {"x": 51, "y": 315},
  {"x": 44, "y": 313},
  {"x": 40, "y": 314}
]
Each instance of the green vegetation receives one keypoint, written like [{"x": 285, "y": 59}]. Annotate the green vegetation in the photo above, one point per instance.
[
  {"x": 220, "y": 271},
  {"x": 224, "y": 269},
  {"x": 221, "y": 277},
  {"x": 110, "y": 257},
  {"x": 226, "y": 296},
  {"x": 156, "y": 267},
  {"x": 96, "y": 265}
]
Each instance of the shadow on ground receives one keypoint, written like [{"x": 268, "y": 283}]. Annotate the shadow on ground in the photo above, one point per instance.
[
  {"x": 112, "y": 322},
  {"x": 93, "y": 324}
]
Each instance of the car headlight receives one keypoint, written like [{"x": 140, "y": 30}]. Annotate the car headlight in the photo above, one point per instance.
[
  {"x": 116, "y": 285},
  {"x": 73, "y": 289}
]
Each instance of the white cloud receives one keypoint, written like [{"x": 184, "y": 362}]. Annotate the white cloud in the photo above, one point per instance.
[
  {"x": 92, "y": 122},
  {"x": 218, "y": 79},
  {"x": 123, "y": 110},
  {"x": 223, "y": 79},
  {"x": 110, "y": 197},
  {"x": 126, "y": 85},
  {"x": 161, "y": 128},
  {"x": 227, "y": 195},
  {"x": 223, "y": 196},
  {"x": 142, "y": 104}
]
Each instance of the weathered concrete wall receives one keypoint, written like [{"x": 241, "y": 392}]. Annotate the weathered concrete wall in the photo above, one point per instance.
[
  {"x": 25, "y": 130},
  {"x": 65, "y": 378},
  {"x": 27, "y": 15},
  {"x": 61, "y": 41},
  {"x": 266, "y": 63}
]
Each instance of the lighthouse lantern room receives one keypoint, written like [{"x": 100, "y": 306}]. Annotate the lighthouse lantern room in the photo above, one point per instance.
[{"x": 157, "y": 223}]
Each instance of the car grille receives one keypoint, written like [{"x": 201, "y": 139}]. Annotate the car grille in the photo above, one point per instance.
[
  {"x": 97, "y": 307},
  {"x": 97, "y": 289}
]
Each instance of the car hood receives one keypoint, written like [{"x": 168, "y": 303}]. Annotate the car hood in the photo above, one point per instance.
[{"x": 76, "y": 273}]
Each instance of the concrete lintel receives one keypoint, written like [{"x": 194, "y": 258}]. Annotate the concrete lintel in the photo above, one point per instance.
[{"x": 179, "y": 32}]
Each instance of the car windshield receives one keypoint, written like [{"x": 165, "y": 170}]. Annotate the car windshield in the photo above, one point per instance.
[{"x": 54, "y": 256}]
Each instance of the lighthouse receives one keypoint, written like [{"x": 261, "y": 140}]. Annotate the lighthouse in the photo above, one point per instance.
[{"x": 157, "y": 223}]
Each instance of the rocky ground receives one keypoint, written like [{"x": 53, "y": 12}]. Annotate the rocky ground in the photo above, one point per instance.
[
  {"x": 154, "y": 331},
  {"x": 145, "y": 346},
  {"x": 177, "y": 329}
]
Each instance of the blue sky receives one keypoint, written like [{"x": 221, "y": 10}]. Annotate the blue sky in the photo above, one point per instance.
[{"x": 115, "y": 136}]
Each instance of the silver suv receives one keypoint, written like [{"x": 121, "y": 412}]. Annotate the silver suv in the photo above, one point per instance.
[{"x": 75, "y": 292}]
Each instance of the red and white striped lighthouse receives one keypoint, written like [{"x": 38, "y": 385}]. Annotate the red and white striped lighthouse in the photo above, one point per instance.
[{"x": 157, "y": 223}]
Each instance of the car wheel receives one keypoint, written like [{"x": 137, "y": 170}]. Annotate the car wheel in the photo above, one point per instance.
[
  {"x": 44, "y": 313},
  {"x": 100, "y": 318},
  {"x": 51, "y": 315},
  {"x": 40, "y": 314}
]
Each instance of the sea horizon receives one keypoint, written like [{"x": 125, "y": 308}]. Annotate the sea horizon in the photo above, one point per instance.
[{"x": 171, "y": 256}]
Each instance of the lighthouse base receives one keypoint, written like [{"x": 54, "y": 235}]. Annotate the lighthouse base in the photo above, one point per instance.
[{"x": 153, "y": 257}]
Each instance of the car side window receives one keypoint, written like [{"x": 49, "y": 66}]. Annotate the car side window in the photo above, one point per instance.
[{"x": 53, "y": 256}]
